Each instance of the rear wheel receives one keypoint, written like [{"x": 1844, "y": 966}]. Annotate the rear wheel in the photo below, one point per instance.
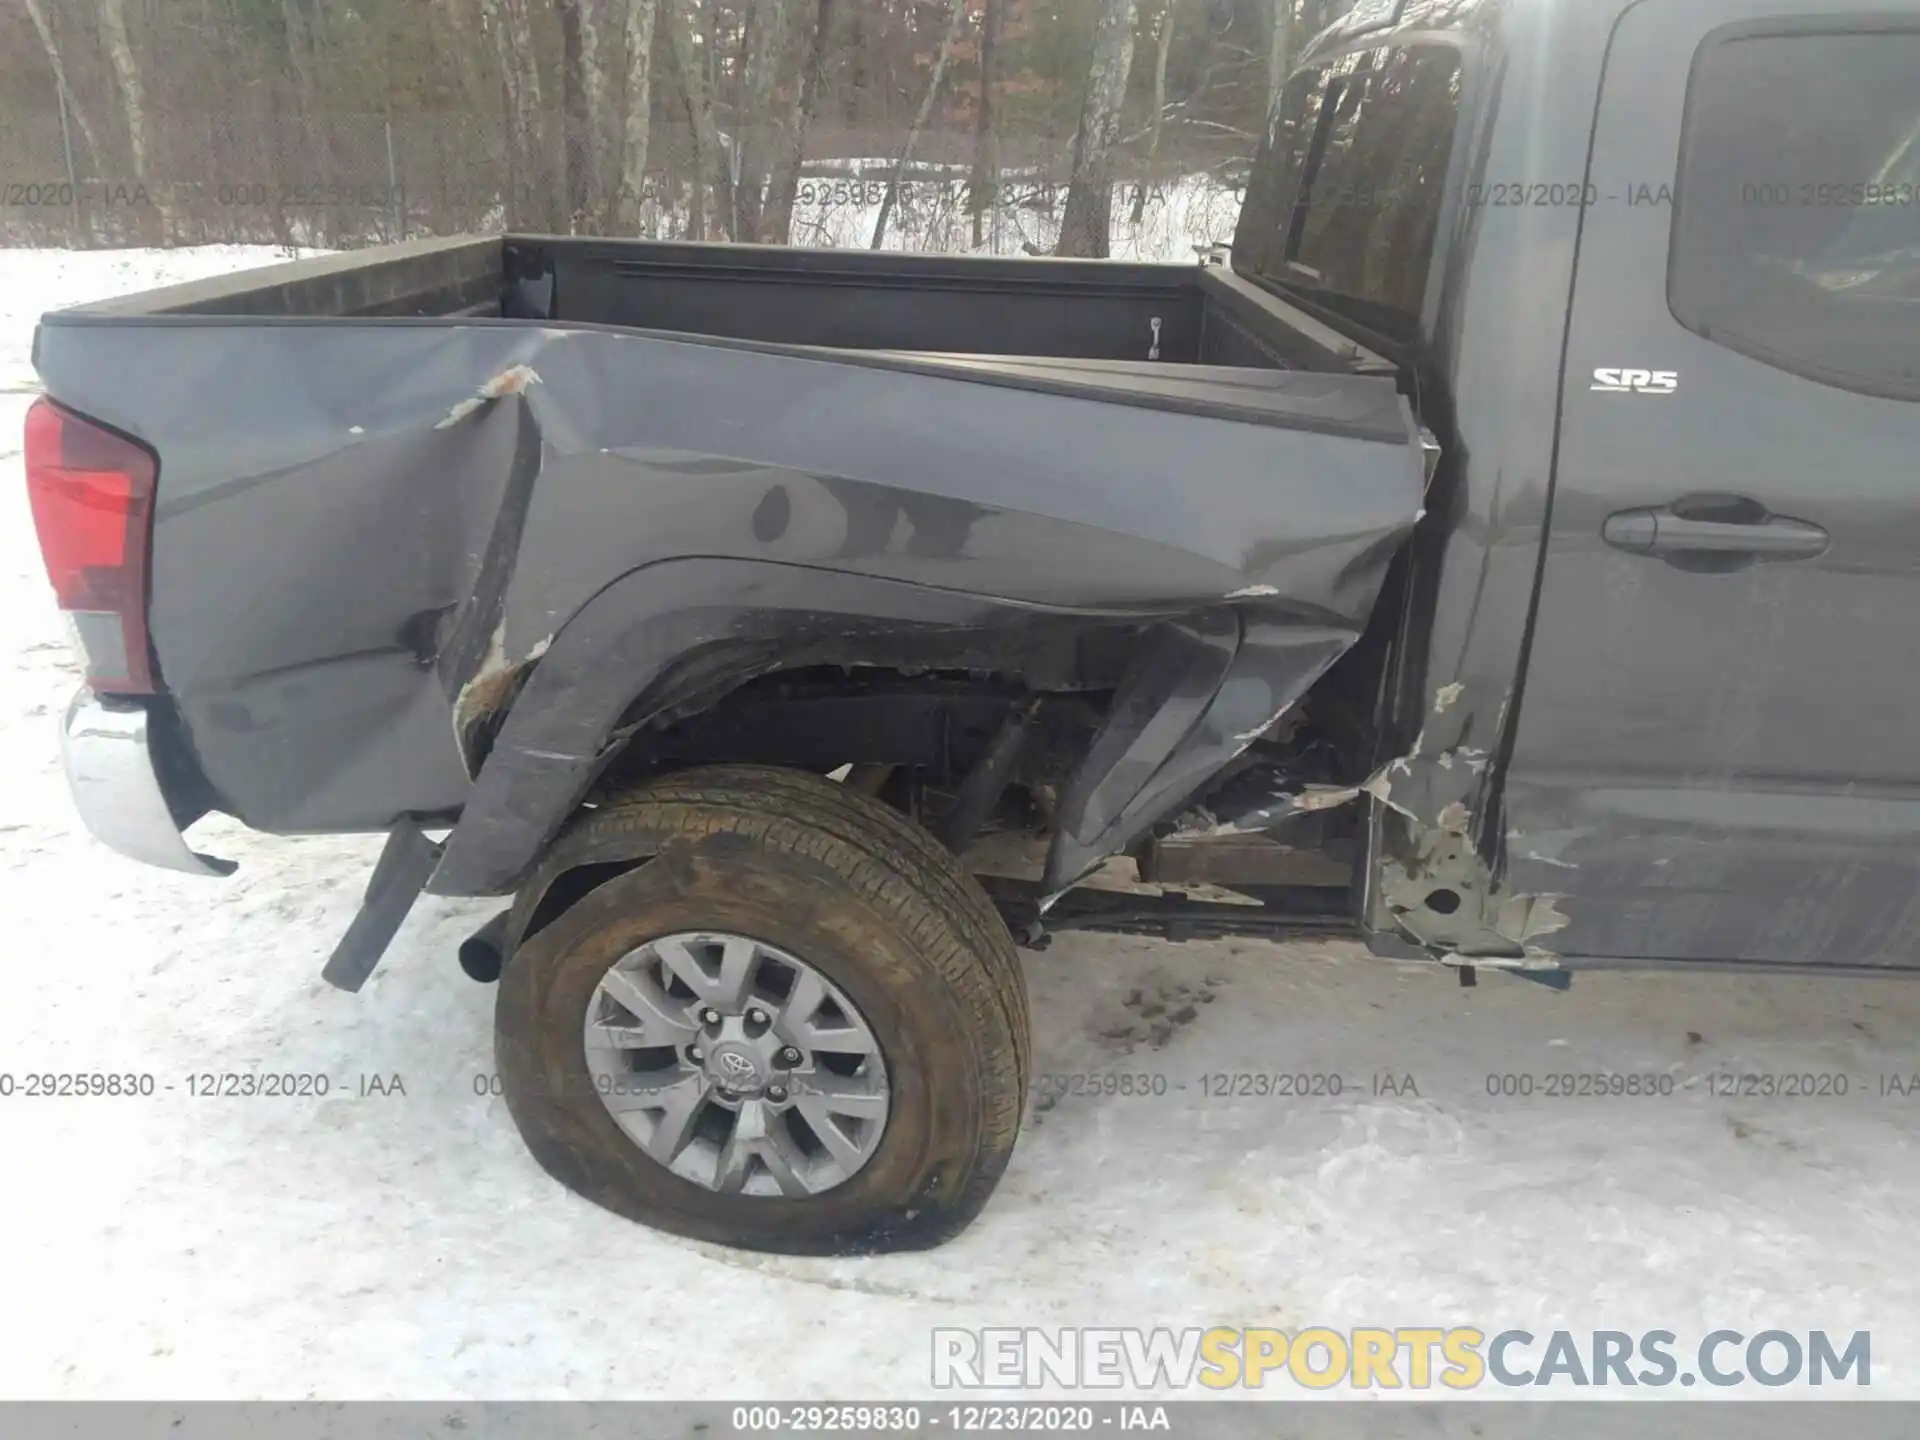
[{"x": 799, "y": 1027}]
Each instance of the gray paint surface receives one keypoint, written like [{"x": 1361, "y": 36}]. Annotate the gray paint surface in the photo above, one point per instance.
[
  {"x": 365, "y": 526},
  {"x": 1609, "y": 758}
]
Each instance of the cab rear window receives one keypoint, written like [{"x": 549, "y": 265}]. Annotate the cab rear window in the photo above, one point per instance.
[{"x": 1344, "y": 200}]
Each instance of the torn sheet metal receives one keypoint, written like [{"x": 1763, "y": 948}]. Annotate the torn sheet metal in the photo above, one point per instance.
[
  {"x": 1263, "y": 795},
  {"x": 1437, "y": 890},
  {"x": 1130, "y": 779},
  {"x": 514, "y": 380},
  {"x": 359, "y": 549},
  {"x": 1433, "y": 884}
]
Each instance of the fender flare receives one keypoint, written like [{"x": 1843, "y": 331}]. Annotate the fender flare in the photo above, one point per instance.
[
  {"x": 602, "y": 675},
  {"x": 1200, "y": 690}
]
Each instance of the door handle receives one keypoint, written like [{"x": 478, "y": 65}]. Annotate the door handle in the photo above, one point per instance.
[{"x": 1713, "y": 532}]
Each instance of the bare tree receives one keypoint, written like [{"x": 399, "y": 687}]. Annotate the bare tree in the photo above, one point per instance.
[
  {"x": 1168, "y": 16},
  {"x": 709, "y": 157},
  {"x": 37, "y": 10},
  {"x": 520, "y": 79},
  {"x": 1279, "y": 52},
  {"x": 548, "y": 105},
  {"x": 582, "y": 104},
  {"x": 638, "y": 119},
  {"x": 303, "y": 54},
  {"x": 452, "y": 30},
  {"x": 776, "y": 216},
  {"x": 1087, "y": 223},
  {"x": 133, "y": 98},
  {"x": 298, "y": 44},
  {"x": 983, "y": 185},
  {"x": 767, "y": 24},
  {"x": 594, "y": 63},
  {"x": 954, "y": 22}
]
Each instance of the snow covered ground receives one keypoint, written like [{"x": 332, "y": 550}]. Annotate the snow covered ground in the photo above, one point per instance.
[
  {"x": 403, "y": 1245},
  {"x": 1176, "y": 217}
]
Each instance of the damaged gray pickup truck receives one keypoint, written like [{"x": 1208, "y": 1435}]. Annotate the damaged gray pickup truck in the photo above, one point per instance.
[{"x": 1507, "y": 559}]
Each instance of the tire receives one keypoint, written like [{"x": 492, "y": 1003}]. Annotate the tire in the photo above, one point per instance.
[{"x": 845, "y": 885}]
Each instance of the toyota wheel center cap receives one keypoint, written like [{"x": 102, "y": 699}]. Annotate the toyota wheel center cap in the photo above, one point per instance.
[{"x": 735, "y": 1070}]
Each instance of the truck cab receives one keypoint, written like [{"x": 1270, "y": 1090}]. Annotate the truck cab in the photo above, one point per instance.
[{"x": 1650, "y": 272}]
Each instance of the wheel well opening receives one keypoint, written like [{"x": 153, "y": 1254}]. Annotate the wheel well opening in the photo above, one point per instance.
[{"x": 569, "y": 888}]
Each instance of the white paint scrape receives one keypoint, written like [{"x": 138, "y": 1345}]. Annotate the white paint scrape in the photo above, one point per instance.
[{"x": 515, "y": 380}]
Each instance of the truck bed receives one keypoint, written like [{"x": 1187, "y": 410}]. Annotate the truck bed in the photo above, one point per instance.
[
  {"x": 402, "y": 493},
  {"x": 847, "y": 300}
]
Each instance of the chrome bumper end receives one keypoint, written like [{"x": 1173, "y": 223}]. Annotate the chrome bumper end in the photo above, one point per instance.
[{"x": 116, "y": 787}]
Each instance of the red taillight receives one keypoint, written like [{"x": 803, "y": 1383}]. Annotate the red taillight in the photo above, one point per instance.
[{"x": 92, "y": 497}]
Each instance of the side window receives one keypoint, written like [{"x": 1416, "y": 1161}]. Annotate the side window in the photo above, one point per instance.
[
  {"x": 1796, "y": 230},
  {"x": 1345, "y": 199}
]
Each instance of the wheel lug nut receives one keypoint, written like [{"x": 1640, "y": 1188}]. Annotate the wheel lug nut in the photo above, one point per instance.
[
  {"x": 789, "y": 1056},
  {"x": 709, "y": 1017},
  {"x": 694, "y": 1052},
  {"x": 758, "y": 1017},
  {"x": 777, "y": 1093}
]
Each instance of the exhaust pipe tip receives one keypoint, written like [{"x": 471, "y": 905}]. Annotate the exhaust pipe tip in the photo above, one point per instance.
[{"x": 483, "y": 954}]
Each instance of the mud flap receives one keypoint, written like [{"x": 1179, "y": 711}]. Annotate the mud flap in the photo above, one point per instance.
[{"x": 399, "y": 876}]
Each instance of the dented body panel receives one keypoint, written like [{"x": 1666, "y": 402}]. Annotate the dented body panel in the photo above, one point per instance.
[
  {"x": 449, "y": 531},
  {"x": 445, "y": 530},
  {"x": 444, "y": 568}
]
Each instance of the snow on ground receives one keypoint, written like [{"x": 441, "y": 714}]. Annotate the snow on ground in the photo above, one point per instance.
[
  {"x": 1176, "y": 217},
  {"x": 403, "y": 1245}
]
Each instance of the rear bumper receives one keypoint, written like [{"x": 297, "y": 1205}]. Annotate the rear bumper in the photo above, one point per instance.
[{"x": 116, "y": 786}]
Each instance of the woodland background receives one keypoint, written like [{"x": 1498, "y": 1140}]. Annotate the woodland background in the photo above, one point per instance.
[{"x": 1083, "y": 127}]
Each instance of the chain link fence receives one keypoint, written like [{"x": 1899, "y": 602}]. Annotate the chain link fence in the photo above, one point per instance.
[
  {"x": 343, "y": 180},
  {"x": 331, "y": 181}
]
